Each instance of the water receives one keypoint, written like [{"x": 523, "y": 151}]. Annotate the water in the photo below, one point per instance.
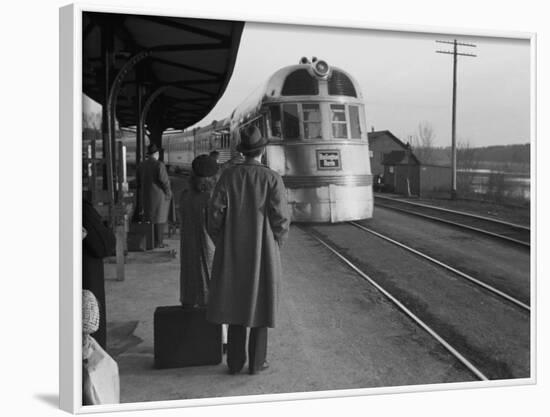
[{"x": 499, "y": 184}]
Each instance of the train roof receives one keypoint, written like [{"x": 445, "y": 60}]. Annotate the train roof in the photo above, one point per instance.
[{"x": 300, "y": 80}]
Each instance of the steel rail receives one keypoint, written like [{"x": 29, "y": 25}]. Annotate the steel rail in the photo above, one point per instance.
[
  {"x": 402, "y": 307},
  {"x": 462, "y": 213},
  {"x": 447, "y": 267},
  {"x": 464, "y": 226}
]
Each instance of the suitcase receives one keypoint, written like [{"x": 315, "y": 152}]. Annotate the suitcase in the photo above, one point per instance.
[
  {"x": 140, "y": 236},
  {"x": 183, "y": 337}
]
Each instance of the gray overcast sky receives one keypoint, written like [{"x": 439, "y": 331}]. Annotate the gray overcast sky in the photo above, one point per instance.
[{"x": 403, "y": 80}]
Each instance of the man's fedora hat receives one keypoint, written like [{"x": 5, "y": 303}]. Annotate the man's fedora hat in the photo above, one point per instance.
[
  {"x": 251, "y": 140},
  {"x": 151, "y": 149}
]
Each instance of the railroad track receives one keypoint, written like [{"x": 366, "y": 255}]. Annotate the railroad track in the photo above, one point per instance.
[
  {"x": 447, "y": 267},
  {"x": 510, "y": 232},
  {"x": 404, "y": 304}
]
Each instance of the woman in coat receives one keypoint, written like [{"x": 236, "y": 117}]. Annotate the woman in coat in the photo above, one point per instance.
[
  {"x": 249, "y": 221},
  {"x": 196, "y": 247}
]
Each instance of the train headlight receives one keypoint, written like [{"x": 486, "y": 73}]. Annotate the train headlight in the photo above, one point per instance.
[{"x": 321, "y": 68}]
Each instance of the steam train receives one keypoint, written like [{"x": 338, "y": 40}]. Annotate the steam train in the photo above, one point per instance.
[{"x": 314, "y": 117}]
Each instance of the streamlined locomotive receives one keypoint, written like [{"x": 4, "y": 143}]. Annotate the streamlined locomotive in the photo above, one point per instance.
[{"x": 314, "y": 117}]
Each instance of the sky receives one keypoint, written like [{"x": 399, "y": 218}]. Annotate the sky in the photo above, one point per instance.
[{"x": 403, "y": 80}]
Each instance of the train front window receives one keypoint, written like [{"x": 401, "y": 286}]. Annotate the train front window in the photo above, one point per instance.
[
  {"x": 291, "y": 121},
  {"x": 312, "y": 121},
  {"x": 354, "y": 123},
  {"x": 338, "y": 121}
]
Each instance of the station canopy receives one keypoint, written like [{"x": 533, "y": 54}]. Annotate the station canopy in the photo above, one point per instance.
[{"x": 192, "y": 59}]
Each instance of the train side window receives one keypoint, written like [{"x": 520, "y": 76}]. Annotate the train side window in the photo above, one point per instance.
[
  {"x": 275, "y": 115},
  {"x": 291, "y": 121},
  {"x": 354, "y": 123},
  {"x": 338, "y": 121},
  {"x": 312, "y": 121}
]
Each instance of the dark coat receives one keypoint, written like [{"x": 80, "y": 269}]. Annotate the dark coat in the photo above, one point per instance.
[
  {"x": 249, "y": 220},
  {"x": 196, "y": 247},
  {"x": 154, "y": 189},
  {"x": 98, "y": 243}
]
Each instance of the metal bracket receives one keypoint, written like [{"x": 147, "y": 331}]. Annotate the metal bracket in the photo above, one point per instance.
[
  {"x": 152, "y": 97},
  {"x": 111, "y": 105}
]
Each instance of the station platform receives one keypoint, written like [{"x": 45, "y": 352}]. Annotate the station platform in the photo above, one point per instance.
[{"x": 334, "y": 332}]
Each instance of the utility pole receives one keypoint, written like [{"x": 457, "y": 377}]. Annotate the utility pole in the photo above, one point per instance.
[{"x": 454, "y": 53}]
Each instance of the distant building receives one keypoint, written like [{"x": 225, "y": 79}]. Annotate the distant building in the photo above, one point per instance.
[
  {"x": 396, "y": 169},
  {"x": 381, "y": 143},
  {"x": 401, "y": 172}
]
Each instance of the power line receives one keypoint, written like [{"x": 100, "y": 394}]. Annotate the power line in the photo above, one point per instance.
[{"x": 454, "y": 53}]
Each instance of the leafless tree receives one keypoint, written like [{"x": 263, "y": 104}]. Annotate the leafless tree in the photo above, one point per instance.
[{"x": 423, "y": 142}]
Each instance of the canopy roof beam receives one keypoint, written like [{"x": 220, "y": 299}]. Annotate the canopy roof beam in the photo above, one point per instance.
[
  {"x": 187, "y": 67},
  {"x": 184, "y": 26}
]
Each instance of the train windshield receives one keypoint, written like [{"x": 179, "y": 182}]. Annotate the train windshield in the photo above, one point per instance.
[
  {"x": 338, "y": 120},
  {"x": 312, "y": 121},
  {"x": 291, "y": 121}
]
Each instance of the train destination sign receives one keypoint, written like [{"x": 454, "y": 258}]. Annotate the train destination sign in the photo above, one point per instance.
[{"x": 328, "y": 159}]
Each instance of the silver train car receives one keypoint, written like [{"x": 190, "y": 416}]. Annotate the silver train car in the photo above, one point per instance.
[
  {"x": 180, "y": 148},
  {"x": 314, "y": 117}
]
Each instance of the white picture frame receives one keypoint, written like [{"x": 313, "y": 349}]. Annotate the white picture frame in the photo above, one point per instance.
[{"x": 70, "y": 209}]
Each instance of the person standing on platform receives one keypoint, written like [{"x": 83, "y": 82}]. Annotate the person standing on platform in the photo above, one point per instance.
[
  {"x": 196, "y": 246},
  {"x": 249, "y": 221},
  {"x": 98, "y": 242},
  {"x": 155, "y": 192}
]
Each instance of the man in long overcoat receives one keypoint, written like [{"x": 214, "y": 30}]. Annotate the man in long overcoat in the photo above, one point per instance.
[
  {"x": 155, "y": 192},
  {"x": 249, "y": 220}
]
